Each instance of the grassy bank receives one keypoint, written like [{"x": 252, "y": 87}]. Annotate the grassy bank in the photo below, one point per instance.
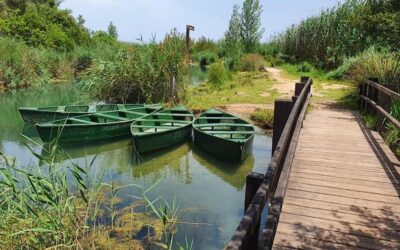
[{"x": 244, "y": 87}]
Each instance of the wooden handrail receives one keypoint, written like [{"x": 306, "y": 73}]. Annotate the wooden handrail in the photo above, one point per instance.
[
  {"x": 248, "y": 228},
  {"x": 377, "y": 96}
]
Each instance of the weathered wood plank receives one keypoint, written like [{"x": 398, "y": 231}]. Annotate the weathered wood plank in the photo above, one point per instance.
[
  {"x": 319, "y": 234},
  {"x": 342, "y": 192}
]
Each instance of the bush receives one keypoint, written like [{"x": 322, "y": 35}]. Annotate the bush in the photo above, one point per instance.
[
  {"x": 382, "y": 64},
  {"x": 20, "y": 65},
  {"x": 275, "y": 61},
  {"x": 217, "y": 74},
  {"x": 140, "y": 73},
  {"x": 206, "y": 58},
  {"x": 263, "y": 117},
  {"x": 252, "y": 62},
  {"x": 342, "y": 71},
  {"x": 305, "y": 67}
]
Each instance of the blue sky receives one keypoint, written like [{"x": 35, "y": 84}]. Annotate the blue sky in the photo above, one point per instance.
[{"x": 135, "y": 18}]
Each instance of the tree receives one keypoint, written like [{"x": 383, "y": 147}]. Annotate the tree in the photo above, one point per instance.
[
  {"x": 232, "y": 35},
  {"x": 81, "y": 21},
  {"x": 233, "y": 40},
  {"x": 112, "y": 30},
  {"x": 251, "y": 31}
]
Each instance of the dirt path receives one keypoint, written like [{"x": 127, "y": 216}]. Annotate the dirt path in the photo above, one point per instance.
[{"x": 284, "y": 86}]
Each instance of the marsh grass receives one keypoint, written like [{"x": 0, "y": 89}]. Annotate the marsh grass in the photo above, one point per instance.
[
  {"x": 56, "y": 206},
  {"x": 263, "y": 117}
]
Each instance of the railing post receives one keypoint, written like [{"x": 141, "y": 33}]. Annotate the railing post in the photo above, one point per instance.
[
  {"x": 253, "y": 182},
  {"x": 385, "y": 102},
  {"x": 282, "y": 110}
]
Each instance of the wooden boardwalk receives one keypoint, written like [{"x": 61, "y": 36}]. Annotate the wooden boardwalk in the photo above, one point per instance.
[{"x": 344, "y": 187}]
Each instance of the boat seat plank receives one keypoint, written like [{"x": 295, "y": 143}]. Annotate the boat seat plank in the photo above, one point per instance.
[
  {"x": 219, "y": 118},
  {"x": 164, "y": 121},
  {"x": 223, "y": 125},
  {"x": 81, "y": 121},
  {"x": 213, "y": 132},
  {"x": 150, "y": 126},
  {"x": 132, "y": 112},
  {"x": 171, "y": 114},
  {"x": 111, "y": 117}
]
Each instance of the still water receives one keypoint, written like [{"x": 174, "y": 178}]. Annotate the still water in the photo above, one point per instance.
[{"x": 210, "y": 192}]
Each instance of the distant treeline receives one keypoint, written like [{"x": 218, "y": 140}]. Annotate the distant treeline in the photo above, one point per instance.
[{"x": 344, "y": 31}]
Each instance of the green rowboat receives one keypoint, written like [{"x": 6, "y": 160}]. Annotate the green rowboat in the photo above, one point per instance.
[
  {"x": 162, "y": 129},
  {"x": 94, "y": 126},
  {"x": 47, "y": 114},
  {"x": 223, "y": 135}
]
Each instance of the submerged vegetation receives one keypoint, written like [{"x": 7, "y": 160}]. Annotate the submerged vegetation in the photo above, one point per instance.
[{"x": 54, "y": 206}]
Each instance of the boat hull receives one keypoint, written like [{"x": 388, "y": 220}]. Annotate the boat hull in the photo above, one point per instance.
[
  {"x": 83, "y": 133},
  {"x": 222, "y": 148},
  {"x": 156, "y": 141}
]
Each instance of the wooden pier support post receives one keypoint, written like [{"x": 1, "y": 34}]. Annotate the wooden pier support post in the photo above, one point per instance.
[
  {"x": 253, "y": 182},
  {"x": 282, "y": 110}
]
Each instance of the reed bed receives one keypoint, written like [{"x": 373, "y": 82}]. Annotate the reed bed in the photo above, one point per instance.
[
  {"x": 51, "y": 206},
  {"x": 343, "y": 31}
]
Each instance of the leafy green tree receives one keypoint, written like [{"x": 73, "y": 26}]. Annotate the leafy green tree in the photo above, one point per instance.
[
  {"x": 112, "y": 30},
  {"x": 232, "y": 35},
  {"x": 251, "y": 31},
  {"x": 233, "y": 41}
]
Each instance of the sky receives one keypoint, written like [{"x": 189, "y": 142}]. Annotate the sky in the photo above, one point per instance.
[{"x": 155, "y": 18}]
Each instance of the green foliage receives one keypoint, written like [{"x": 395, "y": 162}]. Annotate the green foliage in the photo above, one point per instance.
[
  {"x": 382, "y": 64},
  {"x": 343, "y": 32},
  {"x": 252, "y": 62},
  {"x": 204, "y": 44},
  {"x": 263, "y": 117},
  {"x": 251, "y": 31},
  {"x": 342, "y": 72},
  {"x": 43, "y": 25},
  {"x": 232, "y": 43},
  {"x": 305, "y": 67},
  {"x": 140, "y": 73},
  {"x": 206, "y": 58},
  {"x": 217, "y": 74},
  {"x": 371, "y": 121},
  {"x": 112, "y": 31}
]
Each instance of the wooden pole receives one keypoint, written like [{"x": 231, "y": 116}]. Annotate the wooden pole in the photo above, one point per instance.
[
  {"x": 282, "y": 110},
  {"x": 253, "y": 182},
  {"x": 187, "y": 59}
]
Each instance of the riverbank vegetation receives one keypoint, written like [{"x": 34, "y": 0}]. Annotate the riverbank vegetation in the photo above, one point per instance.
[
  {"x": 352, "y": 32},
  {"x": 55, "y": 206}
]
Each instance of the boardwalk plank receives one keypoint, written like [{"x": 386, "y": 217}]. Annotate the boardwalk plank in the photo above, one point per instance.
[{"x": 340, "y": 194}]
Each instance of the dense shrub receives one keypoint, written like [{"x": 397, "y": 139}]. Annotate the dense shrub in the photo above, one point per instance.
[
  {"x": 305, "y": 67},
  {"x": 252, "y": 62},
  {"x": 382, "y": 64},
  {"x": 206, "y": 58},
  {"x": 217, "y": 74},
  {"x": 43, "y": 25},
  {"x": 342, "y": 32},
  {"x": 20, "y": 66},
  {"x": 140, "y": 73},
  {"x": 204, "y": 44}
]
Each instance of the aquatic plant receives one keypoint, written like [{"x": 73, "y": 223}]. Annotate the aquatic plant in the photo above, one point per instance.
[
  {"x": 263, "y": 117},
  {"x": 50, "y": 206}
]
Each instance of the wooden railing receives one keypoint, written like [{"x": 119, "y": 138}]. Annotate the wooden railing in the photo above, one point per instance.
[
  {"x": 270, "y": 188},
  {"x": 378, "y": 98}
]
